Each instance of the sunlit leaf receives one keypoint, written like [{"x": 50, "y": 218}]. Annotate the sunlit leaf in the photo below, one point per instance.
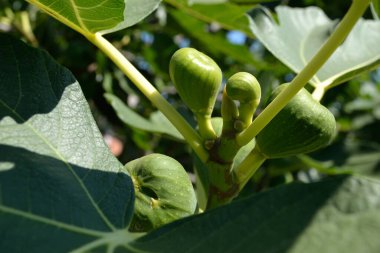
[
  {"x": 301, "y": 32},
  {"x": 103, "y": 16},
  {"x": 60, "y": 187}
]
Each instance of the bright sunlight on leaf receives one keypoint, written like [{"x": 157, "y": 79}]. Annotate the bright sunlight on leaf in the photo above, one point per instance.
[
  {"x": 60, "y": 187},
  {"x": 301, "y": 32},
  {"x": 103, "y": 16}
]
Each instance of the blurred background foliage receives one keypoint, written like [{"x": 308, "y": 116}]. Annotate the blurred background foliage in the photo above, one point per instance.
[{"x": 213, "y": 30}]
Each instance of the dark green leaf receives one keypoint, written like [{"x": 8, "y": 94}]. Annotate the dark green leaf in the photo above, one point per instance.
[
  {"x": 214, "y": 44},
  {"x": 60, "y": 187},
  {"x": 226, "y": 1},
  {"x": 340, "y": 214},
  {"x": 228, "y": 15}
]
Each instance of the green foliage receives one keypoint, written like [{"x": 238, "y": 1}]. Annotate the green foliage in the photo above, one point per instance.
[
  {"x": 157, "y": 122},
  {"x": 98, "y": 16},
  {"x": 62, "y": 190},
  {"x": 58, "y": 179},
  {"x": 235, "y": 18},
  {"x": 301, "y": 32},
  {"x": 291, "y": 218},
  {"x": 375, "y": 9}
]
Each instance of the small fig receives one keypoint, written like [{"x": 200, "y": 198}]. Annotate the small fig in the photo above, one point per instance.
[
  {"x": 303, "y": 126},
  {"x": 244, "y": 88},
  {"x": 197, "y": 79},
  {"x": 163, "y": 192}
]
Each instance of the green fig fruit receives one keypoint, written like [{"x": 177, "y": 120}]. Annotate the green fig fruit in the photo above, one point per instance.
[
  {"x": 163, "y": 192},
  {"x": 244, "y": 88},
  {"x": 197, "y": 79},
  {"x": 303, "y": 126}
]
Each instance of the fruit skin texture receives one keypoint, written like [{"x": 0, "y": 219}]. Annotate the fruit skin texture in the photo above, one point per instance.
[
  {"x": 303, "y": 126},
  {"x": 245, "y": 88},
  {"x": 197, "y": 79},
  {"x": 163, "y": 192}
]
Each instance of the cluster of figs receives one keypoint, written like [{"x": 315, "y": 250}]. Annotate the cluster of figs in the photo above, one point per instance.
[{"x": 163, "y": 190}]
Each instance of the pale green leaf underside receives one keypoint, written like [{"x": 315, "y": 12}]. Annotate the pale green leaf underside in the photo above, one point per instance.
[
  {"x": 60, "y": 187},
  {"x": 301, "y": 32},
  {"x": 340, "y": 214},
  {"x": 157, "y": 123},
  {"x": 103, "y": 16}
]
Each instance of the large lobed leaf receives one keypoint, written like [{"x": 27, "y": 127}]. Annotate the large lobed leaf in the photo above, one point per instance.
[
  {"x": 301, "y": 32},
  {"x": 340, "y": 214},
  {"x": 103, "y": 16},
  {"x": 60, "y": 187}
]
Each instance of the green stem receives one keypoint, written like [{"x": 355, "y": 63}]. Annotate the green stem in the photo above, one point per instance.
[
  {"x": 229, "y": 113},
  {"x": 318, "y": 93},
  {"x": 321, "y": 167},
  {"x": 248, "y": 167},
  {"x": 246, "y": 112},
  {"x": 352, "y": 16},
  {"x": 206, "y": 130},
  {"x": 190, "y": 135},
  {"x": 26, "y": 28}
]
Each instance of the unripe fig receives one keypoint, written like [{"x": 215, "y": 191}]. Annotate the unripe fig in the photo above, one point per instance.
[
  {"x": 244, "y": 88},
  {"x": 197, "y": 79},
  {"x": 303, "y": 126},
  {"x": 163, "y": 192}
]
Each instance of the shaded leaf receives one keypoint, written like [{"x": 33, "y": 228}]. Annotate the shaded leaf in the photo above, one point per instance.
[
  {"x": 301, "y": 32},
  {"x": 360, "y": 157},
  {"x": 250, "y": 1},
  {"x": 158, "y": 123},
  {"x": 103, "y": 16},
  {"x": 340, "y": 214},
  {"x": 206, "y": 1},
  {"x": 60, "y": 187},
  {"x": 226, "y": 1},
  {"x": 214, "y": 44},
  {"x": 228, "y": 15}
]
